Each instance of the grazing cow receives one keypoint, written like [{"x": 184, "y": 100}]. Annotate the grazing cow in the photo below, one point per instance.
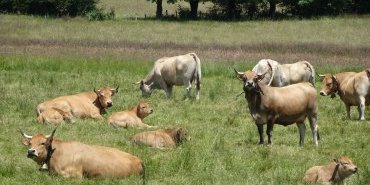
[
  {"x": 170, "y": 71},
  {"x": 83, "y": 105},
  {"x": 352, "y": 88},
  {"x": 280, "y": 105},
  {"x": 132, "y": 117},
  {"x": 163, "y": 138},
  {"x": 333, "y": 173},
  {"x": 74, "y": 159},
  {"x": 285, "y": 74}
]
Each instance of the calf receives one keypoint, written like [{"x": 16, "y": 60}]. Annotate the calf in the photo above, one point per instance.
[
  {"x": 163, "y": 138},
  {"x": 75, "y": 159},
  {"x": 173, "y": 71},
  {"x": 280, "y": 105},
  {"x": 83, "y": 105},
  {"x": 335, "y": 172},
  {"x": 132, "y": 117},
  {"x": 352, "y": 88}
]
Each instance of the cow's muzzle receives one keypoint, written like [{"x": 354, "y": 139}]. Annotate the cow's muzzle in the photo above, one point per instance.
[
  {"x": 109, "y": 104},
  {"x": 31, "y": 153},
  {"x": 322, "y": 93}
]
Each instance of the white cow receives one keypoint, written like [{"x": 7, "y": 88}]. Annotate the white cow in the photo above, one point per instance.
[
  {"x": 285, "y": 74},
  {"x": 170, "y": 71}
]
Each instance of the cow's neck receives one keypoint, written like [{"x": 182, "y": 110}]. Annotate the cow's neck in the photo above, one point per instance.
[
  {"x": 335, "y": 176},
  {"x": 97, "y": 104},
  {"x": 254, "y": 100}
]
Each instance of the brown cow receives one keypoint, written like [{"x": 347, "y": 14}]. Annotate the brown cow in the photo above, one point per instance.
[
  {"x": 132, "y": 117},
  {"x": 163, "y": 138},
  {"x": 335, "y": 172},
  {"x": 280, "y": 105},
  {"x": 83, "y": 105},
  {"x": 352, "y": 88},
  {"x": 75, "y": 159}
]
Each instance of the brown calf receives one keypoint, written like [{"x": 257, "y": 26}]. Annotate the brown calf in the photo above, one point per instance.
[
  {"x": 335, "y": 172},
  {"x": 163, "y": 138},
  {"x": 132, "y": 117}
]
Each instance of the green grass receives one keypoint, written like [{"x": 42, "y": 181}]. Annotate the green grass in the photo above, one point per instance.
[{"x": 223, "y": 148}]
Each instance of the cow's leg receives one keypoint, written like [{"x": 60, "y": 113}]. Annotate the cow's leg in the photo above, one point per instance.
[
  {"x": 361, "y": 108},
  {"x": 164, "y": 86},
  {"x": 270, "y": 127},
  {"x": 187, "y": 87},
  {"x": 313, "y": 124},
  {"x": 302, "y": 132},
  {"x": 348, "y": 109},
  {"x": 260, "y": 132}
]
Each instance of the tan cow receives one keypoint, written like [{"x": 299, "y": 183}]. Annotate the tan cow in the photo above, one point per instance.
[
  {"x": 280, "y": 105},
  {"x": 83, "y": 105},
  {"x": 163, "y": 138},
  {"x": 132, "y": 117},
  {"x": 173, "y": 71},
  {"x": 333, "y": 173},
  {"x": 352, "y": 88},
  {"x": 75, "y": 159}
]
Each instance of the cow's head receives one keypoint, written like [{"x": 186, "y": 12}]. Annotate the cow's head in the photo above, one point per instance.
[
  {"x": 181, "y": 135},
  {"x": 146, "y": 90},
  {"x": 143, "y": 109},
  {"x": 250, "y": 79},
  {"x": 329, "y": 85},
  {"x": 38, "y": 146},
  {"x": 345, "y": 167},
  {"x": 105, "y": 96}
]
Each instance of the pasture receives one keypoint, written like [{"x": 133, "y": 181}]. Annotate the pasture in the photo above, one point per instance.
[{"x": 44, "y": 58}]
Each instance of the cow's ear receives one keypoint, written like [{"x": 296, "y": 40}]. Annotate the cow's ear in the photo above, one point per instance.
[
  {"x": 368, "y": 73},
  {"x": 335, "y": 160},
  {"x": 26, "y": 141},
  {"x": 261, "y": 76},
  {"x": 239, "y": 75},
  {"x": 114, "y": 91}
]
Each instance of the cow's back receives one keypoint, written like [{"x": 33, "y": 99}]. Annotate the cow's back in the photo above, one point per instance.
[
  {"x": 156, "y": 139},
  {"x": 175, "y": 70},
  {"x": 76, "y": 159}
]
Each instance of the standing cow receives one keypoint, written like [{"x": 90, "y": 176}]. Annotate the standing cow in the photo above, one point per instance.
[
  {"x": 90, "y": 104},
  {"x": 170, "y": 71},
  {"x": 74, "y": 159},
  {"x": 285, "y": 74},
  {"x": 352, "y": 88},
  {"x": 280, "y": 105}
]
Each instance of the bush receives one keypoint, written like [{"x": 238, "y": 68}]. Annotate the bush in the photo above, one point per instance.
[
  {"x": 48, "y": 7},
  {"x": 99, "y": 15}
]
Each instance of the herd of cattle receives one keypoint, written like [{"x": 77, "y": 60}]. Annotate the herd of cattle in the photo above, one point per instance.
[{"x": 266, "y": 87}]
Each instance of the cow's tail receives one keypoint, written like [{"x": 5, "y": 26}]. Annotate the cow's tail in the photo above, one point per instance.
[
  {"x": 312, "y": 77},
  {"x": 143, "y": 174},
  {"x": 198, "y": 71}
]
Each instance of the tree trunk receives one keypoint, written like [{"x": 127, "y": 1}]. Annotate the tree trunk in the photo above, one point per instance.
[
  {"x": 231, "y": 9},
  {"x": 194, "y": 8},
  {"x": 272, "y": 9},
  {"x": 158, "y": 13}
]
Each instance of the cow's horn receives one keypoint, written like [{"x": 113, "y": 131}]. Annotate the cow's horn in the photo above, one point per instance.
[
  {"x": 25, "y": 135},
  {"x": 52, "y": 134},
  {"x": 237, "y": 72},
  {"x": 321, "y": 75},
  {"x": 138, "y": 82}
]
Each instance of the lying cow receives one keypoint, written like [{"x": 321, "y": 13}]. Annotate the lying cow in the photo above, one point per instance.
[
  {"x": 83, "y": 105},
  {"x": 163, "y": 138},
  {"x": 74, "y": 159},
  {"x": 280, "y": 105},
  {"x": 132, "y": 117},
  {"x": 335, "y": 172},
  {"x": 352, "y": 88},
  {"x": 170, "y": 71},
  {"x": 285, "y": 74}
]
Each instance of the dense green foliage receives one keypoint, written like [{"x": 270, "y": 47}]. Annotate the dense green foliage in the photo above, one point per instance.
[{"x": 49, "y": 7}]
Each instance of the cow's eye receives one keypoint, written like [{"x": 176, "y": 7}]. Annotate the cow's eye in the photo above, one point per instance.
[{"x": 42, "y": 144}]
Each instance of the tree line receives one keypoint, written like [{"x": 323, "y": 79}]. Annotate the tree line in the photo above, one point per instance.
[
  {"x": 221, "y": 9},
  {"x": 254, "y": 9}
]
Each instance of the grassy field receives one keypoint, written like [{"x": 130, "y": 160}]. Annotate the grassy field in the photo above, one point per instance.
[{"x": 44, "y": 58}]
